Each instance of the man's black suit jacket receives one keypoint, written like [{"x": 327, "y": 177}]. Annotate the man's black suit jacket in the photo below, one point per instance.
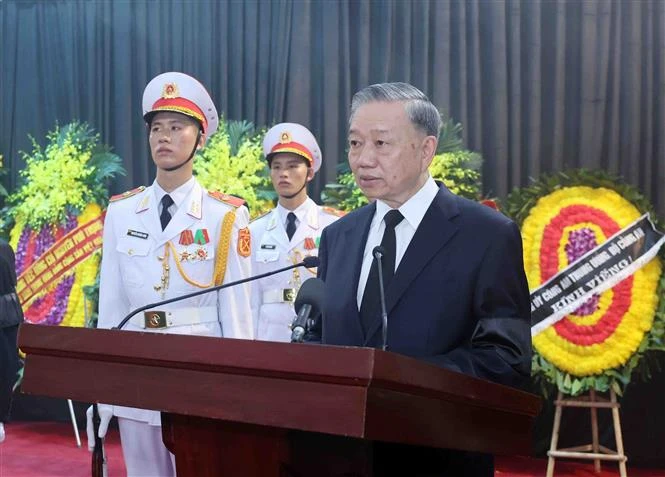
[{"x": 459, "y": 297}]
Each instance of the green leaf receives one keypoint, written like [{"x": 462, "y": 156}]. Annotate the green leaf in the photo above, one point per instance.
[
  {"x": 450, "y": 138},
  {"x": 232, "y": 162},
  {"x": 239, "y": 131},
  {"x": 617, "y": 388}
]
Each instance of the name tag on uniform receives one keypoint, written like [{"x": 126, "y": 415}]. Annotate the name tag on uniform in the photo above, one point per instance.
[
  {"x": 137, "y": 234},
  {"x": 268, "y": 246}
]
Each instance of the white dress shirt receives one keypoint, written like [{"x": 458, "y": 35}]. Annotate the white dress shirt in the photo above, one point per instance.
[
  {"x": 178, "y": 195},
  {"x": 300, "y": 211},
  {"x": 413, "y": 211}
]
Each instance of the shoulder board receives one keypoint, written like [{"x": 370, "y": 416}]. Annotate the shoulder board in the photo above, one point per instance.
[
  {"x": 126, "y": 194},
  {"x": 265, "y": 214},
  {"x": 226, "y": 198},
  {"x": 335, "y": 212}
]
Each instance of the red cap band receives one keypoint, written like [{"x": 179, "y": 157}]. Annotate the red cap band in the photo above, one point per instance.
[
  {"x": 295, "y": 148},
  {"x": 181, "y": 105}
]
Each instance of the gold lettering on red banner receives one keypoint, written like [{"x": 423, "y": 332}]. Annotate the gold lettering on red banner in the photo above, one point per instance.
[{"x": 61, "y": 258}]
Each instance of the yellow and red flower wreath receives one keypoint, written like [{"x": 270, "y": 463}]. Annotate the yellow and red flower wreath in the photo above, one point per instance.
[{"x": 599, "y": 344}]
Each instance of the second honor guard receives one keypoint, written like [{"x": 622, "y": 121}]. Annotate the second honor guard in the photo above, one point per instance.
[
  {"x": 289, "y": 232},
  {"x": 167, "y": 240}
]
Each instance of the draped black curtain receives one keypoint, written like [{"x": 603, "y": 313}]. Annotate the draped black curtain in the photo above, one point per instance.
[{"x": 538, "y": 85}]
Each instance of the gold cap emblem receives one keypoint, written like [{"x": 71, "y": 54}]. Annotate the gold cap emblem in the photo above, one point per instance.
[
  {"x": 285, "y": 138},
  {"x": 170, "y": 90}
]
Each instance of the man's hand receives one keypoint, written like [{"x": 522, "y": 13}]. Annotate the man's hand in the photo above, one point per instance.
[{"x": 105, "y": 415}]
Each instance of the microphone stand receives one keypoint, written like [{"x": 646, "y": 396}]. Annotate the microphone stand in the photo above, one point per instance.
[
  {"x": 378, "y": 255},
  {"x": 99, "y": 465}
]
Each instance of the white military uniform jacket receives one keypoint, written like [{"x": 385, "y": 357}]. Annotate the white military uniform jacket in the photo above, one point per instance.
[
  {"x": 132, "y": 269},
  {"x": 271, "y": 250}
]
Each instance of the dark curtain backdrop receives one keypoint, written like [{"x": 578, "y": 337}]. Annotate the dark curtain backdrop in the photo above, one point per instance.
[{"x": 538, "y": 85}]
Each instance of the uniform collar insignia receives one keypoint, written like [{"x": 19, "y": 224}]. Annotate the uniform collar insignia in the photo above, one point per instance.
[
  {"x": 195, "y": 210},
  {"x": 144, "y": 204},
  {"x": 272, "y": 223},
  {"x": 313, "y": 217}
]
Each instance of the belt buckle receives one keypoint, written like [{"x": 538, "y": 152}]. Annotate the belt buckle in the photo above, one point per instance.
[
  {"x": 154, "y": 319},
  {"x": 289, "y": 295}
]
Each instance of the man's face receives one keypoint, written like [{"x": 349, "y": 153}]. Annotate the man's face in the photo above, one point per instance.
[
  {"x": 389, "y": 157},
  {"x": 172, "y": 138},
  {"x": 289, "y": 172}
]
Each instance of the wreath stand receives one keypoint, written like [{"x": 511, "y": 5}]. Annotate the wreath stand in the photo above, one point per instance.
[{"x": 594, "y": 451}]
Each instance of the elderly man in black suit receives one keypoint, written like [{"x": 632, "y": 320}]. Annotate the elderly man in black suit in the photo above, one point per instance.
[{"x": 455, "y": 286}]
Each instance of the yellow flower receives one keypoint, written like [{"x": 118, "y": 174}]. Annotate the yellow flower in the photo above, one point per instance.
[{"x": 85, "y": 275}]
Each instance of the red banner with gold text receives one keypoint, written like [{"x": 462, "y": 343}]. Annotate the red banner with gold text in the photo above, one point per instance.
[{"x": 62, "y": 257}]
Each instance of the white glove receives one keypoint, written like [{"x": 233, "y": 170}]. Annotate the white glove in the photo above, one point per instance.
[{"x": 105, "y": 414}]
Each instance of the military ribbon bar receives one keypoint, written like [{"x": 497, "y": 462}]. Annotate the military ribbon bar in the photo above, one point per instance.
[
  {"x": 186, "y": 237},
  {"x": 309, "y": 243},
  {"x": 201, "y": 237}
]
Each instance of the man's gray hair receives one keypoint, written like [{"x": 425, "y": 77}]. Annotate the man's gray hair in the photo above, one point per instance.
[{"x": 420, "y": 110}]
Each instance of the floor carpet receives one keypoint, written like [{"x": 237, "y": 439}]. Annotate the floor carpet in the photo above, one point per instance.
[{"x": 48, "y": 449}]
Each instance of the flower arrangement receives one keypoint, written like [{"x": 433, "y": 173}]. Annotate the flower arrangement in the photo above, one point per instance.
[
  {"x": 57, "y": 229},
  {"x": 600, "y": 344},
  {"x": 232, "y": 162},
  {"x": 459, "y": 171}
]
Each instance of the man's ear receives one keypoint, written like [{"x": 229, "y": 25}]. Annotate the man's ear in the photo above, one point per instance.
[
  {"x": 202, "y": 142},
  {"x": 428, "y": 150},
  {"x": 310, "y": 173}
]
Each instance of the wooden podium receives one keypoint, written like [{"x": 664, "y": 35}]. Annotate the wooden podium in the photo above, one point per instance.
[{"x": 250, "y": 408}]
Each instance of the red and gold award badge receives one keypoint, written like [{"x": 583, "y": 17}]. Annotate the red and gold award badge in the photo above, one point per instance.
[{"x": 244, "y": 242}]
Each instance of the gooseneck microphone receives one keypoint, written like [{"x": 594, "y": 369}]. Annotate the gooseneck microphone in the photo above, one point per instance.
[
  {"x": 309, "y": 302},
  {"x": 378, "y": 252},
  {"x": 308, "y": 262}
]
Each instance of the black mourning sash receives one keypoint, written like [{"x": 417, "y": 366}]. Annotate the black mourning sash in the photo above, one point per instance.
[{"x": 594, "y": 272}]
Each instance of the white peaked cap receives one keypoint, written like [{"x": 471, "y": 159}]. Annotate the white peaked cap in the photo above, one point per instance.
[
  {"x": 293, "y": 138},
  {"x": 180, "y": 93}
]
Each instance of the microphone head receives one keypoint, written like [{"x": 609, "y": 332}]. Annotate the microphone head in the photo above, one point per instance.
[
  {"x": 311, "y": 262},
  {"x": 311, "y": 293},
  {"x": 378, "y": 252}
]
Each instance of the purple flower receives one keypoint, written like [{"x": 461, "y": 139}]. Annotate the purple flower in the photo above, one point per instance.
[
  {"x": 43, "y": 242},
  {"x": 62, "y": 291},
  {"x": 21, "y": 250},
  {"x": 579, "y": 243}
]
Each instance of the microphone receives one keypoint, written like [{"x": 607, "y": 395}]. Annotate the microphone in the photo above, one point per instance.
[
  {"x": 307, "y": 262},
  {"x": 308, "y": 302},
  {"x": 378, "y": 253}
]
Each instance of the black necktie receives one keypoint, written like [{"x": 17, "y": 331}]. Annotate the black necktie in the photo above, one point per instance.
[
  {"x": 370, "y": 305},
  {"x": 165, "y": 216},
  {"x": 290, "y": 224}
]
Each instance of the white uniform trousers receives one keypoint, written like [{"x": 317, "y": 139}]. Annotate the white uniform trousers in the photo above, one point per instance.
[{"x": 144, "y": 451}]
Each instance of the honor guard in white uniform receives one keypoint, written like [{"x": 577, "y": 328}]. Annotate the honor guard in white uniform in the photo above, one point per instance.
[
  {"x": 289, "y": 232},
  {"x": 167, "y": 240}
]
